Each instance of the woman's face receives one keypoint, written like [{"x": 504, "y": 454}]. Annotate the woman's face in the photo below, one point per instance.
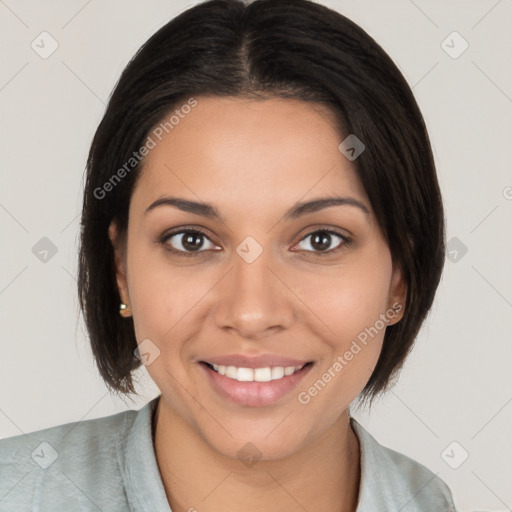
[{"x": 264, "y": 286}]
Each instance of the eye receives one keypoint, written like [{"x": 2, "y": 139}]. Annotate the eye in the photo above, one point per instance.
[
  {"x": 321, "y": 242},
  {"x": 191, "y": 242},
  {"x": 187, "y": 242}
]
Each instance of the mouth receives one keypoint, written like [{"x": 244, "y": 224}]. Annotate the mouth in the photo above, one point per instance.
[
  {"x": 254, "y": 387},
  {"x": 263, "y": 374}
]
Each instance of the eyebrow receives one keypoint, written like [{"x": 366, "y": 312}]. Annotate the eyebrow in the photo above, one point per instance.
[{"x": 210, "y": 211}]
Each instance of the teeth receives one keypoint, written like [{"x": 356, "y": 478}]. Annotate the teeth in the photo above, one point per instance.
[
  {"x": 257, "y": 374},
  {"x": 262, "y": 374},
  {"x": 231, "y": 372},
  {"x": 245, "y": 374},
  {"x": 277, "y": 372}
]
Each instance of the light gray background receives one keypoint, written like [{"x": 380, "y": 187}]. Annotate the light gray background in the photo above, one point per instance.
[{"x": 456, "y": 386}]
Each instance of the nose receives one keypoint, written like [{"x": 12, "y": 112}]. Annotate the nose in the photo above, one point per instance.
[{"x": 254, "y": 301}]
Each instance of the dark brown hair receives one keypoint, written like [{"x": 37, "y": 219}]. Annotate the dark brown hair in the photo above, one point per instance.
[{"x": 281, "y": 48}]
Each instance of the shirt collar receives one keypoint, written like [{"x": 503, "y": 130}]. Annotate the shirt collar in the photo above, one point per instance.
[
  {"x": 139, "y": 467},
  {"x": 366, "y": 500}
]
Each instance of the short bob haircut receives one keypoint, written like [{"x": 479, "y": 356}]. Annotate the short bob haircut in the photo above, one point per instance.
[{"x": 267, "y": 48}]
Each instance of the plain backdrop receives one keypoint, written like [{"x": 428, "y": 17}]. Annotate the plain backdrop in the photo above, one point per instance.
[{"x": 454, "y": 396}]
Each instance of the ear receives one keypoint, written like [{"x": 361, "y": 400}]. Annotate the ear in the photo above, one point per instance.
[
  {"x": 397, "y": 296},
  {"x": 120, "y": 263}
]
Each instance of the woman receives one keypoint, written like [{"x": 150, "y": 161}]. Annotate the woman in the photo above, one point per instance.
[{"x": 263, "y": 229}]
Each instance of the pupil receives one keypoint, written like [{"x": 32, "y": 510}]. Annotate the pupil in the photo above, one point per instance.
[
  {"x": 321, "y": 240},
  {"x": 192, "y": 241}
]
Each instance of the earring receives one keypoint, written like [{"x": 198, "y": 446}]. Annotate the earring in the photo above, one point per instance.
[{"x": 123, "y": 310}]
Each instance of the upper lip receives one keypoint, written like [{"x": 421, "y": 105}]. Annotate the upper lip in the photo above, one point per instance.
[{"x": 259, "y": 361}]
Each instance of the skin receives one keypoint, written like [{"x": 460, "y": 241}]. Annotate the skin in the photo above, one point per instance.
[{"x": 254, "y": 160}]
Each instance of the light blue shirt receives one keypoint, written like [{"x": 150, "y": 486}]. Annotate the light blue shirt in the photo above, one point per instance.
[{"x": 109, "y": 465}]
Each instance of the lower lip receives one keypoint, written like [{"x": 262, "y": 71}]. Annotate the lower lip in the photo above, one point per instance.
[{"x": 254, "y": 394}]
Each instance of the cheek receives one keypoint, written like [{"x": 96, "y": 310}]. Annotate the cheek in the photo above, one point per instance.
[
  {"x": 153, "y": 292},
  {"x": 166, "y": 300},
  {"x": 349, "y": 300},
  {"x": 351, "y": 304}
]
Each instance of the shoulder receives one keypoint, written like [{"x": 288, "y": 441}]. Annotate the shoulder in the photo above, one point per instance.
[
  {"x": 392, "y": 481},
  {"x": 74, "y": 461}
]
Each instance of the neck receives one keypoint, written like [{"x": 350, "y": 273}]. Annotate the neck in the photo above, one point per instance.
[{"x": 322, "y": 476}]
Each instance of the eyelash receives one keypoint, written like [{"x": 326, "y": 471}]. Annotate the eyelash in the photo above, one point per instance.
[{"x": 164, "y": 238}]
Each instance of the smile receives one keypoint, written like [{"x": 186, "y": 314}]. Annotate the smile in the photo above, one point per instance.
[
  {"x": 255, "y": 374},
  {"x": 254, "y": 387}
]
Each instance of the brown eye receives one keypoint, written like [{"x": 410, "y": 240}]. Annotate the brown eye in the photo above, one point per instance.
[
  {"x": 322, "y": 241},
  {"x": 187, "y": 243}
]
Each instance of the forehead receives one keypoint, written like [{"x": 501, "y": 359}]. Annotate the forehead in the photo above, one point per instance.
[{"x": 259, "y": 152}]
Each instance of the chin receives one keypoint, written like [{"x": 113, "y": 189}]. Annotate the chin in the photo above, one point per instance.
[{"x": 250, "y": 449}]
